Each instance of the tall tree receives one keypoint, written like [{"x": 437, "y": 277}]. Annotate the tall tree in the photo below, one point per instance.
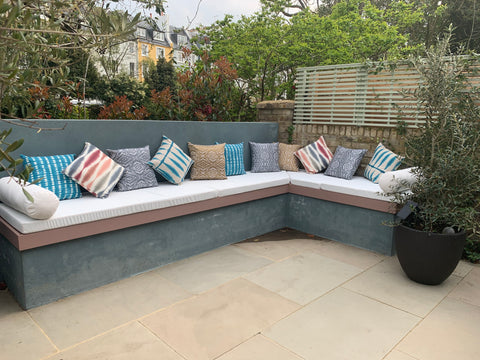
[
  {"x": 267, "y": 47},
  {"x": 161, "y": 75}
]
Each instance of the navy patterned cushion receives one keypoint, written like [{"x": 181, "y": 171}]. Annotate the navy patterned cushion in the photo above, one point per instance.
[
  {"x": 345, "y": 162},
  {"x": 264, "y": 157},
  {"x": 137, "y": 173}
]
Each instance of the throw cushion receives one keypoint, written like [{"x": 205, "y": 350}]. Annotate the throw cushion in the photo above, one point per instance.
[
  {"x": 49, "y": 170},
  {"x": 234, "y": 159},
  {"x": 397, "y": 181},
  {"x": 315, "y": 157},
  {"x": 286, "y": 157},
  {"x": 137, "y": 173},
  {"x": 208, "y": 162},
  {"x": 345, "y": 162},
  {"x": 95, "y": 171},
  {"x": 264, "y": 157},
  {"x": 44, "y": 204},
  {"x": 171, "y": 162},
  {"x": 383, "y": 160}
]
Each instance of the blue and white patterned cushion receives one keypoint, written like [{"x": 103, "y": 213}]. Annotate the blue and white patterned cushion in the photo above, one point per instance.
[
  {"x": 383, "y": 160},
  {"x": 171, "y": 162},
  {"x": 50, "y": 170},
  {"x": 264, "y": 157},
  {"x": 345, "y": 162},
  {"x": 137, "y": 173},
  {"x": 234, "y": 159}
]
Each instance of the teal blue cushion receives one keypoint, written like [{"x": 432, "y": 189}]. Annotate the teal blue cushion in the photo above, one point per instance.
[
  {"x": 49, "y": 170},
  {"x": 383, "y": 160},
  {"x": 234, "y": 159}
]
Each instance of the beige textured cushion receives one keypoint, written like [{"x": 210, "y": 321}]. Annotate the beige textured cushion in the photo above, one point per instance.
[
  {"x": 287, "y": 159},
  {"x": 208, "y": 161}
]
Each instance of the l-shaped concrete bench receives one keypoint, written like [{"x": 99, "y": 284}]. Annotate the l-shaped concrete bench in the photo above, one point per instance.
[{"x": 132, "y": 232}]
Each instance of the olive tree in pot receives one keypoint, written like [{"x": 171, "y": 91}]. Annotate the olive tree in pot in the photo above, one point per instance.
[{"x": 445, "y": 153}]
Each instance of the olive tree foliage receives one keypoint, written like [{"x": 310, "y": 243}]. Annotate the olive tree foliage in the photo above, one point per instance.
[{"x": 35, "y": 36}]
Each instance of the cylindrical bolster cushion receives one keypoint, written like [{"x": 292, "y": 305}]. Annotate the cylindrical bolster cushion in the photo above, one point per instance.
[
  {"x": 44, "y": 204},
  {"x": 397, "y": 181}
]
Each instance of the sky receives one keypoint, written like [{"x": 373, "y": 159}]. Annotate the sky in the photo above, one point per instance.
[{"x": 181, "y": 12}]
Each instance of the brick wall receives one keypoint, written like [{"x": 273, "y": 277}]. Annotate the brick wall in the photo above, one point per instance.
[
  {"x": 356, "y": 137},
  {"x": 280, "y": 111}
]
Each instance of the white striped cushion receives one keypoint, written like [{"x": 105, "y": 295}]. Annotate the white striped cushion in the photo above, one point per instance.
[
  {"x": 315, "y": 157},
  {"x": 383, "y": 160},
  {"x": 171, "y": 162}
]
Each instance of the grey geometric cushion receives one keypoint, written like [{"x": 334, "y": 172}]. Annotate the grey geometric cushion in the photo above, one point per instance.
[
  {"x": 137, "y": 173},
  {"x": 264, "y": 157},
  {"x": 345, "y": 162}
]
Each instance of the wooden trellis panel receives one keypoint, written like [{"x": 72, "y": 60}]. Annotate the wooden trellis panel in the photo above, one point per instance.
[{"x": 354, "y": 95}]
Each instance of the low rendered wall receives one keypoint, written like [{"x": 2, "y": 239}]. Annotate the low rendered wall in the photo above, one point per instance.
[{"x": 118, "y": 134}]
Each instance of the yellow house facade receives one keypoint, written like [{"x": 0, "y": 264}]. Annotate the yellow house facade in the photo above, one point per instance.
[{"x": 149, "y": 52}]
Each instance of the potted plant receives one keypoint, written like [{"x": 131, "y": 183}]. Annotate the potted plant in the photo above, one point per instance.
[{"x": 443, "y": 203}]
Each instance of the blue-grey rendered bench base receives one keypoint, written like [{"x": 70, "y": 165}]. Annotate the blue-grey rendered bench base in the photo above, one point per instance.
[
  {"x": 45, "y": 274},
  {"x": 363, "y": 228}
]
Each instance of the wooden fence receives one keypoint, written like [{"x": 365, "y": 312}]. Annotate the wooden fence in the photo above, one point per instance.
[{"x": 357, "y": 94}]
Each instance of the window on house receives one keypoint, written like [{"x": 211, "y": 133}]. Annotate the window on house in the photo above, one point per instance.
[
  {"x": 132, "y": 69},
  {"x": 160, "y": 52},
  {"x": 144, "y": 50},
  {"x": 141, "y": 32},
  {"x": 131, "y": 48},
  {"x": 157, "y": 35},
  {"x": 178, "y": 56},
  {"x": 181, "y": 39},
  {"x": 144, "y": 69}
]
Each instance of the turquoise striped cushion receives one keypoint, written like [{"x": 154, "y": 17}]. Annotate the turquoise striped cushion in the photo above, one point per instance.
[
  {"x": 49, "y": 169},
  {"x": 171, "y": 162},
  {"x": 234, "y": 159},
  {"x": 383, "y": 160}
]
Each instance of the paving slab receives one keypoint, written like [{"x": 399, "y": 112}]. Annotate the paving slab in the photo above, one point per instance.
[
  {"x": 450, "y": 331},
  {"x": 303, "y": 277},
  {"x": 129, "y": 342},
  {"x": 343, "y": 325},
  {"x": 206, "y": 271},
  {"x": 386, "y": 282},
  {"x": 259, "y": 348},
  {"x": 80, "y": 317},
  {"x": 20, "y": 337},
  {"x": 215, "y": 322}
]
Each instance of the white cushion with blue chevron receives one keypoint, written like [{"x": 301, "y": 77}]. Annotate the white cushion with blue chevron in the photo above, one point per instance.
[
  {"x": 171, "y": 162},
  {"x": 383, "y": 160}
]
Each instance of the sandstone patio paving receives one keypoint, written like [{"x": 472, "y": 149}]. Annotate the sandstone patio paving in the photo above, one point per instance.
[{"x": 240, "y": 302}]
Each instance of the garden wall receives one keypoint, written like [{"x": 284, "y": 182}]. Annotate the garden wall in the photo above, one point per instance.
[{"x": 352, "y": 136}]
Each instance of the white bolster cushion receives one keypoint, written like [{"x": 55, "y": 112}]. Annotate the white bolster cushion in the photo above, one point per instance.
[
  {"x": 44, "y": 204},
  {"x": 397, "y": 181}
]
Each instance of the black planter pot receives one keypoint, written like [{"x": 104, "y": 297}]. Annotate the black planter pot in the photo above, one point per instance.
[{"x": 428, "y": 258}]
